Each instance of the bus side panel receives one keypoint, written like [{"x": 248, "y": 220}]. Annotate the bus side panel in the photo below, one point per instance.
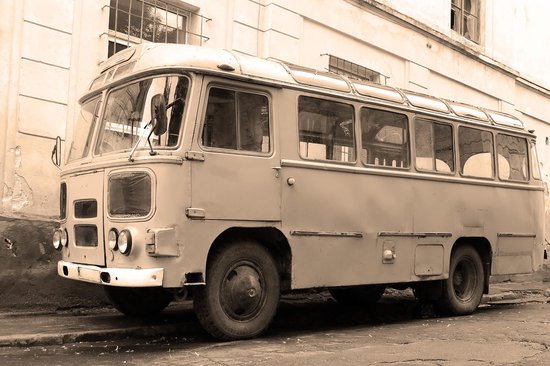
[{"x": 416, "y": 220}]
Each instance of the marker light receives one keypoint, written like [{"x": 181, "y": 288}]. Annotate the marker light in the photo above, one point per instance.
[
  {"x": 112, "y": 239},
  {"x": 125, "y": 242}
]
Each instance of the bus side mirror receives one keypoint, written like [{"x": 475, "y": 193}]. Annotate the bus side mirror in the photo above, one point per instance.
[
  {"x": 158, "y": 113},
  {"x": 56, "y": 152}
]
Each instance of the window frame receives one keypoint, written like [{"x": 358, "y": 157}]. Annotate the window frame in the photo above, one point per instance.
[
  {"x": 492, "y": 152},
  {"x": 527, "y": 162},
  {"x": 453, "y": 146},
  {"x": 458, "y": 7},
  {"x": 409, "y": 115},
  {"x": 236, "y": 89},
  {"x": 331, "y": 100},
  {"x": 105, "y": 94},
  {"x": 125, "y": 39}
]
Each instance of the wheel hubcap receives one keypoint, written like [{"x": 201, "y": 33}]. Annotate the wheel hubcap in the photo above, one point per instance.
[
  {"x": 464, "y": 280},
  {"x": 242, "y": 293}
]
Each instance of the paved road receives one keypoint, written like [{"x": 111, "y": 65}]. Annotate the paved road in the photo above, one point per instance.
[{"x": 510, "y": 330}]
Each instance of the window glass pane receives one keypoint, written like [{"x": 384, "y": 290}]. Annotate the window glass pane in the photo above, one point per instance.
[
  {"x": 443, "y": 146},
  {"x": 512, "y": 158},
  {"x": 127, "y": 118},
  {"x": 220, "y": 125},
  {"x": 84, "y": 130},
  {"x": 384, "y": 138},
  {"x": 476, "y": 152},
  {"x": 248, "y": 132},
  {"x": 326, "y": 130},
  {"x": 434, "y": 146},
  {"x": 253, "y": 122},
  {"x": 423, "y": 135},
  {"x": 135, "y": 26},
  {"x": 470, "y": 27}
]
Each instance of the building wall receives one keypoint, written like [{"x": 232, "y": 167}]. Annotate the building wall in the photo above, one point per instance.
[{"x": 51, "y": 49}]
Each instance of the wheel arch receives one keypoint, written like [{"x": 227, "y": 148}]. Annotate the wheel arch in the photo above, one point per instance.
[
  {"x": 483, "y": 247},
  {"x": 269, "y": 237}
]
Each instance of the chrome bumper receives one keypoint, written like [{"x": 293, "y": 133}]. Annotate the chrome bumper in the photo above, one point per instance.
[{"x": 128, "y": 277}]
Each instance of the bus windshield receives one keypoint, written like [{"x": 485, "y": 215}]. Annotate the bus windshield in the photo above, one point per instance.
[{"x": 127, "y": 116}]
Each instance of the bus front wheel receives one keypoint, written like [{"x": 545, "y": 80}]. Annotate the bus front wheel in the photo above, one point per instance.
[
  {"x": 138, "y": 301},
  {"x": 241, "y": 294},
  {"x": 463, "y": 290}
]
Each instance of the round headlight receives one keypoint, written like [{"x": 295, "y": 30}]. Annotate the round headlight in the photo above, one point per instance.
[
  {"x": 56, "y": 241},
  {"x": 112, "y": 239},
  {"x": 64, "y": 238},
  {"x": 125, "y": 242}
]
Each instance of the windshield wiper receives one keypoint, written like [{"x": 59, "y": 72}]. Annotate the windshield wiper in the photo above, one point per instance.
[{"x": 151, "y": 152}]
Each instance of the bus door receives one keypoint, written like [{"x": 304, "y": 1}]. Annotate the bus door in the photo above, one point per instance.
[{"x": 235, "y": 176}]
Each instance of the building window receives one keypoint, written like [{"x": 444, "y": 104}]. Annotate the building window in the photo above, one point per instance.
[
  {"x": 465, "y": 18},
  {"x": 135, "y": 21},
  {"x": 351, "y": 70}
]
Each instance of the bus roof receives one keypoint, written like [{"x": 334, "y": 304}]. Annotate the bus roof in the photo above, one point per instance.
[{"x": 149, "y": 56}]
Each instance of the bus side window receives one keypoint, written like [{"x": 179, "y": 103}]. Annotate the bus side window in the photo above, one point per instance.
[
  {"x": 326, "y": 130},
  {"x": 237, "y": 121},
  {"x": 512, "y": 158},
  {"x": 434, "y": 146},
  {"x": 476, "y": 152},
  {"x": 384, "y": 138}
]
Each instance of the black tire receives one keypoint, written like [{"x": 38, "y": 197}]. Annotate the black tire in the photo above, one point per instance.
[
  {"x": 361, "y": 295},
  {"x": 463, "y": 290},
  {"x": 241, "y": 294},
  {"x": 138, "y": 301}
]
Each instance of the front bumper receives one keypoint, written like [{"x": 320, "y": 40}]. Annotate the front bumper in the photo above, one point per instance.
[{"x": 127, "y": 277}]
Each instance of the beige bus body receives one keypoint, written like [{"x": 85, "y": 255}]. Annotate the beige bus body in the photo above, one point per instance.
[{"x": 325, "y": 223}]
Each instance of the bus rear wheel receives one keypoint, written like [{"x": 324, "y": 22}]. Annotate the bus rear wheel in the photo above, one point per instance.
[
  {"x": 138, "y": 301},
  {"x": 241, "y": 294},
  {"x": 463, "y": 290}
]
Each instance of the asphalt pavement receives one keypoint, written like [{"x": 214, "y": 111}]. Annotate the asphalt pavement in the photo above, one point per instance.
[{"x": 40, "y": 328}]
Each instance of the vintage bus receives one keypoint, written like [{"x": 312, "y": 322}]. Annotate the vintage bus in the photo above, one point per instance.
[{"x": 232, "y": 180}]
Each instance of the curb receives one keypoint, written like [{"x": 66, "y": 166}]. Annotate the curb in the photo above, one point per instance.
[{"x": 25, "y": 340}]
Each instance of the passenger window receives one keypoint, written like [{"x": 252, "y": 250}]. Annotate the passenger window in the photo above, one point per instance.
[
  {"x": 512, "y": 158},
  {"x": 476, "y": 152},
  {"x": 237, "y": 121},
  {"x": 434, "y": 146},
  {"x": 384, "y": 138},
  {"x": 326, "y": 130}
]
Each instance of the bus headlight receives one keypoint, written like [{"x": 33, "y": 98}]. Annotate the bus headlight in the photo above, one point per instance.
[
  {"x": 125, "y": 242},
  {"x": 56, "y": 240},
  {"x": 112, "y": 239},
  {"x": 64, "y": 238},
  {"x": 60, "y": 238}
]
